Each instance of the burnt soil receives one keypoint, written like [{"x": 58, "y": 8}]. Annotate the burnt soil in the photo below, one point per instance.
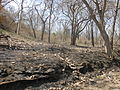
[{"x": 40, "y": 66}]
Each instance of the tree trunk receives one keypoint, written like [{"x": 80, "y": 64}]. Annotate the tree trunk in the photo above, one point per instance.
[
  {"x": 100, "y": 24},
  {"x": 105, "y": 37},
  {"x": 34, "y": 32},
  {"x": 96, "y": 35},
  {"x": 92, "y": 35},
  {"x": 73, "y": 35},
  {"x": 88, "y": 33},
  {"x": 73, "y": 39},
  {"x": 49, "y": 31},
  {"x": 114, "y": 22},
  {"x": 18, "y": 27},
  {"x": 43, "y": 31},
  {"x": 20, "y": 18},
  {"x": 31, "y": 22},
  {"x": 107, "y": 45}
]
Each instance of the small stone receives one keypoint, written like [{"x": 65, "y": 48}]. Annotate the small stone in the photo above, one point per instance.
[
  {"x": 13, "y": 62},
  {"x": 49, "y": 70}
]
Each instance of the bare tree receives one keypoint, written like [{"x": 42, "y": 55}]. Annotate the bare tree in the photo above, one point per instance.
[
  {"x": 43, "y": 18},
  {"x": 33, "y": 24},
  {"x": 73, "y": 12},
  {"x": 101, "y": 22},
  {"x": 114, "y": 22},
  {"x": 20, "y": 18},
  {"x": 4, "y": 3}
]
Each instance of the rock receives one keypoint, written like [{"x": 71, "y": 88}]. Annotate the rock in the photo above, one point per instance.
[
  {"x": 50, "y": 71},
  {"x": 18, "y": 72},
  {"x": 3, "y": 73}
]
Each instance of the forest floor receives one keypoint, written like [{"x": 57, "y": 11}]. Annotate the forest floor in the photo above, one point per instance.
[{"x": 40, "y": 66}]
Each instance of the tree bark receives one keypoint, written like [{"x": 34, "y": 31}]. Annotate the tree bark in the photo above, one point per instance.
[
  {"x": 43, "y": 31},
  {"x": 49, "y": 31},
  {"x": 73, "y": 34},
  {"x": 31, "y": 22},
  {"x": 73, "y": 39},
  {"x": 34, "y": 32},
  {"x": 18, "y": 27},
  {"x": 92, "y": 35},
  {"x": 105, "y": 37}
]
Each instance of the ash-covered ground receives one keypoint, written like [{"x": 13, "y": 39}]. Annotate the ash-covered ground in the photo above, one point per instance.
[{"x": 40, "y": 66}]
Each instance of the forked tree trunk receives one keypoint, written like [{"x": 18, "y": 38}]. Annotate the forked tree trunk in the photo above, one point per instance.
[
  {"x": 100, "y": 24},
  {"x": 43, "y": 24}
]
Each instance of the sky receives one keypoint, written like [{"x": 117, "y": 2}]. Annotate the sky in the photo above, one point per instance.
[{"x": 16, "y": 5}]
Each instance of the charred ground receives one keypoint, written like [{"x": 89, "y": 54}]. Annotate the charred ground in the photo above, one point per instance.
[{"x": 38, "y": 66}]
